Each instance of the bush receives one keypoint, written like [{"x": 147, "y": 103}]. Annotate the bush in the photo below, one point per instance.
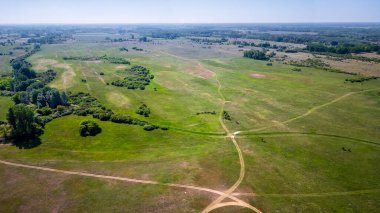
[
  {"x": 149, "y": 127},
  {"x": 101, "y": 73},
  {"x": 226, "y": 116},
  {"x": 44, "y": 111},
  {"x": 89, "y": 128},
  {"x": 269, "y": 64},
  {"x": 143, "y": 110}
]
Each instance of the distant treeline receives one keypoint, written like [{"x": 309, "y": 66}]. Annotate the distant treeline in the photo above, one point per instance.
[
  {"x": 344, "y": 48},
  {"x": 209, "y": 40}
]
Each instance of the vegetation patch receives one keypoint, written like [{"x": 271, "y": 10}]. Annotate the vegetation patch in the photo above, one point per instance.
[
  {"x": 112, "y": 60},
  {"x": 318, "y": 64},
  {"x": 84, "y": 104},
  {"x": 226, "y": 116},
  {"x": 89, "y": 128},
  {"x": 143, "y": 110},
  {"x": 256, "y": 54},
  {"x": 206, "y": 113},
  {"x": 138, "y": 77},
  {"x": 362, "y": 79}
]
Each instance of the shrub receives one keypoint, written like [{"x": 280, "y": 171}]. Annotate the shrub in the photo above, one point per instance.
[
  {"x": 269, "y": 64},
  {"x": 226, "y": 116},
  {"x": 149, "y": 127},
  {"x": 44, "y": 111},
  {"x": 143, "y": 110},
  {"x": 101, "y": 73},
  {"x": 89, "y": 128}
]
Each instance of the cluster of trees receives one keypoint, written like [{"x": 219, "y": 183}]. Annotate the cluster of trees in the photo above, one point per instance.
[
  {"x": 143, "y": 39},
  {"x": 362, "y": 79},
  {"x": 256, "y": 54},
  {"x": 341, "y": 48},
  {"x": 9, "y": 53},
  {"x": 36, "y": 103},
  {"x": 138, "y": 77},
  {"x": 89, "y": 128},
  {"x": 165, "y": 35},
  {"x": 209, "y": 41},
  {"x": 30, "y": 88},
  {"x": 88, "y": 105},
  {"x": 112, "y": 60},
  {"x": 116, "y": 39},
  {"x": 143, "y": 110},
  {"x": 123, "y": 49},
  {"x": 42, "y": 97},
  {"x": 23, "y": 122}
]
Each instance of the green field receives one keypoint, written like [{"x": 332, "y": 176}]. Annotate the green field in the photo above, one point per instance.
[{"x": 309, "y": 141}]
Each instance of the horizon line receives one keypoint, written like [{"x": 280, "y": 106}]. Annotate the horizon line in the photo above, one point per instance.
[{"x": 190, "y": 23}]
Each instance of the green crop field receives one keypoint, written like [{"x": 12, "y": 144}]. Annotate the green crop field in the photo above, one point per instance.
[{"x": 294, "y": 141}]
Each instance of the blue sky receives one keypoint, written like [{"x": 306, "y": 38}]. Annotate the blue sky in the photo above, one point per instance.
[{"x": 187, "y": 11}]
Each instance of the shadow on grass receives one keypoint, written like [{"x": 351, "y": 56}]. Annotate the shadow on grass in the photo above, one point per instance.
[{"x": 26, "y": 143}]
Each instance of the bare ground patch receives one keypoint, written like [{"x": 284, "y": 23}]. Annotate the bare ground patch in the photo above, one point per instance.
[
  {"x": 118, "y": 99},
  {"x": 121, "y": 67},
  {"x": 201, "y": 71},
  {"x": 256, "y": 75},
  {"x": 43, "y": 64},
  {"x": 67, "y": 76}
]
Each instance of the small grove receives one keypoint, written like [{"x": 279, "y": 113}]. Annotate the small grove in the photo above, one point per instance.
[{"x": 138, "y": 77}]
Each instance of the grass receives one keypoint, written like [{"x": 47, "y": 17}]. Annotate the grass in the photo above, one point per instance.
[
  {"x": 298, "y": 167},
  {"x": 5, "y": 104},
  {"x": 293, "y": 166}
]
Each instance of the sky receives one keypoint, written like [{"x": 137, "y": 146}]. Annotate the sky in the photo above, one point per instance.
[{"x": 187, "y": 11}]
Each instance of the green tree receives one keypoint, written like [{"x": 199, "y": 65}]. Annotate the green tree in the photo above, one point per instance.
[{"x": 21, "y": 118}]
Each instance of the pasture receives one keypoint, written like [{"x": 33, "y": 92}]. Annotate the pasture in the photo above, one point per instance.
[{"x": 309, "y": 140}]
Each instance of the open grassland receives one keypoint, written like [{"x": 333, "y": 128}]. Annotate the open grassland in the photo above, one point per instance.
[{"x": 294, "y": 130}]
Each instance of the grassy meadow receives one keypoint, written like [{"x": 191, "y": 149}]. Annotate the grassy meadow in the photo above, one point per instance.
[{"x": 295, "y": 132}]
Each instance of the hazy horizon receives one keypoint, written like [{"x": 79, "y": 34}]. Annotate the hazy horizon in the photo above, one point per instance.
[{"x": 188, "y": 12}]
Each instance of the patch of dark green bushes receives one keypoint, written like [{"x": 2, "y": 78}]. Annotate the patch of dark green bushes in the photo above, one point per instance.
[{"x": 138, "y": 77}]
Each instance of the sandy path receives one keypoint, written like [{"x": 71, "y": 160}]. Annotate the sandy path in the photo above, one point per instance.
[
  {"x": 237, "y": 202},
  {"x": 312, "y": 110},
  {"x": 218, "y": 202},
  {"x": 323, "y": 194}
]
